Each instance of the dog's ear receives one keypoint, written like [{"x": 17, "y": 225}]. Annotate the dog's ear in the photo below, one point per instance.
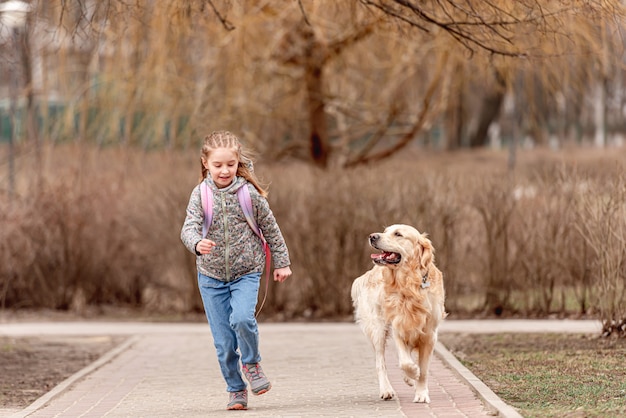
[{"x": 428, "y": 252}]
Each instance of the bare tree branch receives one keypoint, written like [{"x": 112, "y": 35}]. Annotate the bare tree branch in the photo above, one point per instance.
[
  {"x": 227, "y": 25},
  {"x": 484, "y": 25},
  {"x": 304, "y": 15},
  {"x": 417, "y": 126},
  {"x": 389, "y": 11},
  {"x": 375, "y": 138}
]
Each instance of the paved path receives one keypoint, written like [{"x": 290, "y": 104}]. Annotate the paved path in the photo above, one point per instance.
[{"x": 317, "y": 370}]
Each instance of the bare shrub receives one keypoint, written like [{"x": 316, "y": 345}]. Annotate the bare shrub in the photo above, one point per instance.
[
  {"x": 61, "y": 246},
  {"x": 103, "y": 228},
  {"x": 496, "y": 207},
  {"x": 327, "y": 216},
  {"x": 92, "y": 232},
  {"x": 330, "y": 216},
  {"x": 154, "y": 205},
  {"x": 571, "y": 253},
  {"x": 546, "y": 225},
  {"x": 602, "y": 223}
]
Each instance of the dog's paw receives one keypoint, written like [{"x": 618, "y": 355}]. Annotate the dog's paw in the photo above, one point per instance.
[
  {"x": 387, "y": 395},
  {"x": 411, "y": 372},
  {"x": 422, "y": 397},
  {"x": 409, "y": 381}
]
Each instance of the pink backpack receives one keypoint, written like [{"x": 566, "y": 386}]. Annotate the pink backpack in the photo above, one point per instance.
[{"x": 245, "y": 201}]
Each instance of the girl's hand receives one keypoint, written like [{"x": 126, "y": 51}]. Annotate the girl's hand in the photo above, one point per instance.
[
  {"x": 205, "y": 246},
  {"x": 281, "y": 274}
]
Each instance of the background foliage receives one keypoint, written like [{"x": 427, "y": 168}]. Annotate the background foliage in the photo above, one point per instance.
[
  {"x": 361, "y": 111},
  {"x": 333, "y": 83},
  {"x": 509, "y": 243}
]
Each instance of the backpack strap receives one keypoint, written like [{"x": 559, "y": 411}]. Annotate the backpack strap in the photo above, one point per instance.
[
  {"x": 206, "y": 196},
  {"x": 245, "y": 201}
]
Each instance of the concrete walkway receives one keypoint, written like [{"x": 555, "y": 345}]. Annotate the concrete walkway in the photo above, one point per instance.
[{"x": 317, "y": 370}]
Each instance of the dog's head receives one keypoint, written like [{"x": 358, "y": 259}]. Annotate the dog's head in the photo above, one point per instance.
[{"x": 402, "y": 245}]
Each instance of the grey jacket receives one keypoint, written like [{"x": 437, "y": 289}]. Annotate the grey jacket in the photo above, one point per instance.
[{"x": 238, "y": 249}]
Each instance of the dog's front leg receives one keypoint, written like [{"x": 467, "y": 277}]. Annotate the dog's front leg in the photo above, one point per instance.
[
  {"x": 425, "y": 351},
  {"x": 405, "y": 361},
  {"x": 379, "y": 340}
]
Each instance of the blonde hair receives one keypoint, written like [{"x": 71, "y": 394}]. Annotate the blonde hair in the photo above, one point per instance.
[{"x": 225, "y": 139}]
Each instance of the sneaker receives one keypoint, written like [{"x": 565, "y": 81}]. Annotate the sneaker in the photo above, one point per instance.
[
  {"x": 237, "y": 400},
  {"x": 259, "y": 384}
]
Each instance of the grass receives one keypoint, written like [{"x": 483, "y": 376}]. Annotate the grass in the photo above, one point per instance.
[{"x": 548, "y": 375}]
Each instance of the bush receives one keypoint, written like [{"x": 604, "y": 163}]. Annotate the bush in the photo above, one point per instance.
[{"x": 102, "y": 227}]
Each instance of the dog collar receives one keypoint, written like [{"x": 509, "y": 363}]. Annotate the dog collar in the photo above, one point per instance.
[{"x": 425, "y": 282}]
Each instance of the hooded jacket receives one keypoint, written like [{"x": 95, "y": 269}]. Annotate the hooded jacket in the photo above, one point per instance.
[{"x": 238, "y": 250}]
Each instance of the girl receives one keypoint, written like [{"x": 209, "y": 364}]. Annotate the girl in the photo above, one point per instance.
[{"x": 230, "y": 260}]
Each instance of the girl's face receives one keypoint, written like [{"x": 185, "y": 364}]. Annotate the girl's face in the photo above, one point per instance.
[{"x": 222, "y": 165}]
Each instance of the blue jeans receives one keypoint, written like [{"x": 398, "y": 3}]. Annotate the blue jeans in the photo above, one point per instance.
[{"x": 230, "y": 308}]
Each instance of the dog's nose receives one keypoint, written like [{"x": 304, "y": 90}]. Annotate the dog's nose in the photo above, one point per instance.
[{"x": 374, "y": 238}]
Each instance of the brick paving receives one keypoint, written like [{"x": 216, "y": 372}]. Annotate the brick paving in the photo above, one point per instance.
[
  {"x": 317, "y": 370},
  {"x": 449, "y": 396}
]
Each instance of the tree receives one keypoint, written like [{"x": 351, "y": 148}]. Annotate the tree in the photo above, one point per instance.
[
  {"x": 544, "y": 34},
  {"x": 301, "y": 47},
  {"x": 336, "y": 83},
  {"x": 356, "y": 118}
]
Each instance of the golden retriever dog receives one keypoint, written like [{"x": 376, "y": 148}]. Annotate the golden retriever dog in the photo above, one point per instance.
[{"x": 402, "y": 295}]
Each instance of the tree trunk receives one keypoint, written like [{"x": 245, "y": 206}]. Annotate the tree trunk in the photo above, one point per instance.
[
  {"x": 490, "y": 111},
  {"x": 318, "y": 128},
  {"x": 455, "y": 124},
  {"x": 599, "y": 106}
]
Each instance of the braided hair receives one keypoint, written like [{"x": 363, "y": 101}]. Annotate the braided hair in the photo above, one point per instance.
[{"x": 245, "y": 167}]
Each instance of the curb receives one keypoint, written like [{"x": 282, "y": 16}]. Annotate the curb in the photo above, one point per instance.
[
  {"x": 490, "y": 399},
  {"x": 64, "y": 385}
]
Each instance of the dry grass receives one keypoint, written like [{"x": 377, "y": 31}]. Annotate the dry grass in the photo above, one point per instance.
[
  {"x": 102, "y": 227},
  {"x": 548, "y": 375}
]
